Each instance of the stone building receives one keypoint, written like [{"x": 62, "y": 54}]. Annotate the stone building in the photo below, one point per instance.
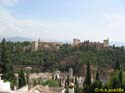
[
  {"x": 49, "y": 45},
  {"x": 70, "y": 72},
  {"x": 40, "y": 45},
  {"x": 27, "y": 48},
  {"x": 76, "y": 42},
  {"x": 56, "y": 75},
  {"x": 106, "y": 43},
  {"x": 34, "y": 46},
  {"x": 98, "y": 45}
]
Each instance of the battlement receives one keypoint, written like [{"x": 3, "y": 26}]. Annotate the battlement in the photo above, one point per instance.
[
  {"x": 39, "y": 45},
  {"x": 76, "y": 42}
]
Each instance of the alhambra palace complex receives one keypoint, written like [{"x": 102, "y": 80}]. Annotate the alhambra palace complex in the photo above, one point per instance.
[{"x": 38, "y": 45}]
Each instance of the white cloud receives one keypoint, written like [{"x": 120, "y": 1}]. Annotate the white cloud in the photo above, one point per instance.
[
  {"x": 8, "y": 2},
  {"x": 56, "y": 30},
  {"x": 11, "y": 26},
  {"x": 115, "y": 26},
  {"x": 111, "y": 25}
]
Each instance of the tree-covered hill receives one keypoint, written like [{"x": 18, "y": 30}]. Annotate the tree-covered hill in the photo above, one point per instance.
[{"x": 67, "y": 56}]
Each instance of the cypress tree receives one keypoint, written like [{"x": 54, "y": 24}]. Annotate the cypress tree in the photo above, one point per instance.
[
  {"x": 88, "y": 75},
  {"x": 76, "y": 82},
  {"x": 97, "y": 76},
  {"x": 117, "y": 66},
  {"x": 67, "y": 82},
  {"x": 115, "y": 83},
  {"x": 60, "y": 83},
  {"x": 3, "y": 46},
  {"x": 77, "y": 89},
  {"x": 3, "y": 55},
  {"x": 105, "y": 86},
  {"x": 67, "y": 90},
  {"x": 120, "y": 77},
  {"x": 22, "y": 81}
]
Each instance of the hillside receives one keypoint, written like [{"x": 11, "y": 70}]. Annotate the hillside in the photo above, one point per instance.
[{"x": 67, "y": 56}]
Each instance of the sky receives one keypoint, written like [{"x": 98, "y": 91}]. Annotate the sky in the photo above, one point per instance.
[{"x": 63, "y": 19}]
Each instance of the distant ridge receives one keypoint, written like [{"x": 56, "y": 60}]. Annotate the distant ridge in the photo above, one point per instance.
[
  {"x": 15, "y": 39},
  {"x": 116, "y": 43}
]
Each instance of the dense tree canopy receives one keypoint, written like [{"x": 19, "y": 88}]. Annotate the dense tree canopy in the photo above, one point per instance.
[
  {"x": 7, "y": 65},
  {"x": 50, "y": 60}
]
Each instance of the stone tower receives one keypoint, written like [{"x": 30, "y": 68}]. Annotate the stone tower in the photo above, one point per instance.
[
  {"x": 76, "y": 42},
  {"x": 34, "y": 46},
  {"x": 106, "y": 43},
  {"x": 70, "y": 72}
]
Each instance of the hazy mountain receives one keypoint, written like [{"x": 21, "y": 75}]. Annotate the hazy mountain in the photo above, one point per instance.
[
  {"x": 117, "y": 43},
  {"x": 14, "y": 39}
]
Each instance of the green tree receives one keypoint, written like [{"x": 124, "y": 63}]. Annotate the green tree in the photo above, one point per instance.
[
  {"x": 96, "y": 84},
  {"x": 88, "y": 75},
  {"x": 115, "y": 83},
  {"x": 7, "y": 69},
  {"x": 114, "y": 79},
  {"x": 77, "y": 90},
  {"x": 97, "y": 76},
  {"x": 117, "y": 66},
  {"x": 105, "y": 86},
  {"x": 3, "y": 50},
  {"x": 120, "y": 77},
  {"x": 67, "y": 81},
  {"x": 7, "y": 66},
  {"x": 87, "y": 83},
  {"x": 50, "y": 83},
  {"x": 67, "y": 90},
  {"x": 3, "y": 56},
  {"x": 76, "y": 82},
  {"x": 22, "y": 81},
  {"x": 60, "y": 83}
]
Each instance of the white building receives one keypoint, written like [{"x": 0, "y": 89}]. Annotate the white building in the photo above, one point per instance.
[
  {"x": 4, "y": 86},
  {"x": 57, "y": 75}
]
